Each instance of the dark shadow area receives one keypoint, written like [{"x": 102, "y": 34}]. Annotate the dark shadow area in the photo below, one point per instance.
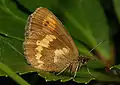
[
  {"x": 34, "y": 79},
  {"x": 21, "y": 7},
  {"x": 114, "y": 25}
]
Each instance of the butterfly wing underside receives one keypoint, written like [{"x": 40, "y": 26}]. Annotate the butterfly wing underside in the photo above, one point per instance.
[{"x": 47, "y": 45}]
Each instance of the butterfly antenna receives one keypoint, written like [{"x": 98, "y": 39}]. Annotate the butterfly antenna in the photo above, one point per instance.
[
  {"x": 90, "y": 52},
  {"x": 96, "y": 46}
]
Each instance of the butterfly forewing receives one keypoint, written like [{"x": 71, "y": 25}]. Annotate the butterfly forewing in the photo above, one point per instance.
[{"x": 47, "y": 45}]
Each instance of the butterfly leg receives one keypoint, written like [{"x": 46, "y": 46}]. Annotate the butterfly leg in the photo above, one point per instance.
[
  {"x": 63, "y": 69},
  {"x": 90, "y": 73},
  {"x": 76, "y": 69}
]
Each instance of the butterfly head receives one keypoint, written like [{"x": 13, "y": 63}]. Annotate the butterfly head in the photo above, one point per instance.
[{"x": 83, "y": 60}]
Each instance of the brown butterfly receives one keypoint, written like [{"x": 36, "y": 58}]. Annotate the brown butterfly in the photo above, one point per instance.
[{"x": 48, "y": 46}]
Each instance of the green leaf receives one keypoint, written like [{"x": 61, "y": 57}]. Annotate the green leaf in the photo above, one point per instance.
[
  {"x": 84, "y": 19},
  {"x": 11, "y": 19},
  {"x": 11, "y": 54}
]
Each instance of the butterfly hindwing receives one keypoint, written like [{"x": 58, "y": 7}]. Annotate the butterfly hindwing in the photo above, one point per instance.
[{"x": 47, "y": 44}]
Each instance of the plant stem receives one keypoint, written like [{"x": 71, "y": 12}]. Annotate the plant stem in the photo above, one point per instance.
[{"x": 12, "y": 74}]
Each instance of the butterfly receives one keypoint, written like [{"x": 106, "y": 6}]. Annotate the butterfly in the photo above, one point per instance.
[{"x": 48, "y": 46}]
